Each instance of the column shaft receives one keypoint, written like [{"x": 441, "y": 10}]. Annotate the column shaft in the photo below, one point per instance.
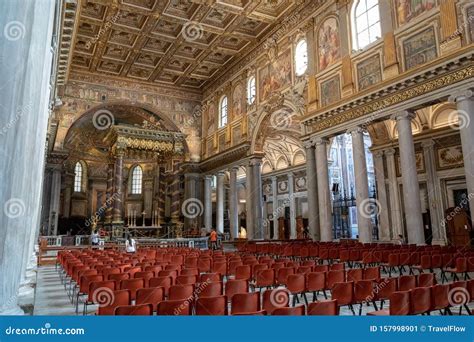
[
  {"x": 394, "y": 191},
  {"x": 291, "y": 198},
  {"x": 55, "y": 197},
  {"x": 275, "y": 213},
  {"x": 384, "y": 223},
  {"x": 312, "y": 191},
  {"x": 234, "y": 205},
  {"x": 208, "y": 203},
  {"x": 220, "y": 203},
  {"x": 249, "y": 202},
  {"x": 257, "y": 199},
  {"x": 362, "y": 186},
  {"x": 324, "y": 197},
  {"x": 411, "y": 188},
  {"x": 118, "y": 183}
]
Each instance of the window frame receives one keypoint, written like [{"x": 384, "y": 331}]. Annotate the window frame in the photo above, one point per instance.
[
  {"x": 78, "y": 177},
  {"x": 223, "y": 117},
  {"x": 251, "y": 90},
  {"x": 136, "y": 180},
  {"x": 304, "y": 57},
  {"x": 354, "y": 24}
]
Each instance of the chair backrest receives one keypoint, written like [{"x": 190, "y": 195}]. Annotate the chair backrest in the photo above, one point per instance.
[
  {"x": 321, "y": 268},
  {"x": 210, "y": 278},
  {"x": 243, "y": 272},
  {"x": 133, "y": 285},
  {"x": 461, "y": 264},
  {"x": 134, "y": 310},
  {"x": 283, "y": 273},
  {"x": 294, "y": 311},
  {"x": 186, "y": 280},
  {"x": 372, "y": 273},
  {"x": 233, "y": 287},
  {"x": 119, "y": 298},
  {"x": 400, "y": 303},
  {"x": 440, "y": 297},
  {"x": 213, "y": 289},
  {"x": 179, "y": 292},
  {"x": 180, "y": 307},
  {"x": 295, "y": 283},
  {"x": 274, "y": 299},
  {"x": 211, "y": 306},
  {"x": 101, "y": 292},
  {"x": 323, "y": 308},
  {"x": 343, "y": 293},
  {"x": 364, "y": 291},
  {"x": 336, "y": 267},
  {"x": 420, "y": 299},
  {"x": 164, "y": 282},
  {"x": 354, "y": 274},
  {"x": 155, "y": 269},
  {"x": 315, "y": 281},
  {"x": 265, "y": 277},
  {"x": 426, "y": 279},
  {"x": 406, "y": 282},
  {"x": 333, "y": 277},
  {"x": 189, "y": 272},
  {"x": 245, "y": 302},
  {"x": 150, "y": 295},
  {"x": 385, "y": 287}
]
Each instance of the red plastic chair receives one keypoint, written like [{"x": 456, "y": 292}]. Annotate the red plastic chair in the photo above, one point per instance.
[
  {"x": 295, "y": 283},
  {"x": 399, "y": 305},
  {"x": 294, "y": 311},
  {"x": 164, "y": 282},
  {"x": 315, "y": 282},
  {"x": 186, "y": 280},
  {"x": 364, "y": 293},
  {"x": 150, "y": 295},
  {"x": 426, "y": 279},
  {"x": 420, "y": 299},
  {"x": 233, "y": 287},
  {"x": 265, "y": 278},
  {"x": 209, "y": 290},
  {"x": 406, "y": 283},
  {"x": 211, "y": 306},
  {"x": 274, "y": 299},
  {"x": 134, "y": 310},
  {"x": 119, "y": 298},
  {"x": 354, "y": 274},
  {"x": 372, "y": 273},
  {"x": 245, "y": 302},
  {"x": 145, "y": 275},
  {"x": 323, "y": 308},
  {"x": 344, "y": 294},
  {"x": 181, "y": 307},
  {"x": 243, "y": 272},
  {"x": 180, "y": 292},
  {"x": 440, "y": 299},
  {"x": 133, "y": 285}
]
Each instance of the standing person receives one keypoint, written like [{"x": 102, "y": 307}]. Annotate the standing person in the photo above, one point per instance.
[
  {"x": 213, "y": 239},
  {"x": 130, "y": 245},
  {"x": 95, "y": 238},
  {"x": 401, "y": 239}
]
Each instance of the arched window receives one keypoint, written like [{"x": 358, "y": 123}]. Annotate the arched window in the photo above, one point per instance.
[
  {"x": 365, "y": 23},
  {"x": 137, "y": 178},
  {"x": 223, "y": 112},
  {"x": 78, "y": 177},
  {"x": 251, "y": 90},
  {"x": 301, "y": 57}
]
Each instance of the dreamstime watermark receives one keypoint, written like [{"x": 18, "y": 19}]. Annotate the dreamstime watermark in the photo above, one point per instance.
[
  {"x": 458, "y": 296},
  {"x": 103, "y": 296},
  {"x": 103, "y": 119},
  {"x": 103, "y": 30},
  {"x": 187, "y": 303},
  {"x": 279, "y": 210},
  {"x": 20, "y": 111},
  {"x": 457, "y": 209},
  {"x": 368, "y": 207},
  {"x": 14, "y": 207},
  {"x": 101, "y": 210},
  {"x": 458, "y": 119},
  {"x": 378, "y": 287},
  {"x": 192, "y": 31},
  {"x": 458, "y": 32},
  {"x": 14, "y": 30},
  {"x": 281, "y": 119},
  {"x": 46, "y": 330},
  {"x": 192, "y": 208},
  {"x": 280, "y": 297}
]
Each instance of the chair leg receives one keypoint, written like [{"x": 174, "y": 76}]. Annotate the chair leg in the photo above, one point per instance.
[
  {"x": 314, "y": 296},
  {"x": 381, "y": 304},
  {"x": 375, "y": 305},
  {"x": 352, "y": 309},
  {"x": 360, "y": 309},
  {"x": 467, "y": 309},
  {"x": 305, "y": 299},
  {"x": 448, "y": 311},
  {"x": 325, "y": 294}
]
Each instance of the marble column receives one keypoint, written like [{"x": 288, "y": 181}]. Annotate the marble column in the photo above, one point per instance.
[
  {"x": 275, "y": 207},
  {"x": 110, "y": 195},
  {"x": 291, "y": 199},
  {"x": 220, "y": 202},
  {"x": 55, "y": 201},
  {"x": 68, "y": 187},
  {"x": 465, "y": 111},
  {"x": 324, "y": 196},
  {"x": 394, "y": 194},
  {"x": 383, "y": 212},
  {"x": 257, "y": 198},
  {"x": 411, "y": 188},
  {"x": 361, "y": 186},
  {"x": 26, "y": 68},
  {"x": 117, "y": 218},
  {"x": 249, "y": 206},
  {"x": 234, "y": 204},
  {"x": 312, "y": 191},
  {"x": 434, "y": 194},
  {"x": 208, "y": 202},
  {"x": 194, "y": 207}
]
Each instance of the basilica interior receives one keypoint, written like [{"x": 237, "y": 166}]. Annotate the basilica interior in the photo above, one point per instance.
[{"x": 280, "y": 125}]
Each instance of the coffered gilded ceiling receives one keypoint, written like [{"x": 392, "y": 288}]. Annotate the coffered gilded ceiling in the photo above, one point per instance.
[{"x": 174, "y": 42}]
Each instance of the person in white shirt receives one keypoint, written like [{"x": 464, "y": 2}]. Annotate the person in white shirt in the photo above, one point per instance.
[
  {"x": 95, "y": 238},
  {"x": 130, "y": 245}
]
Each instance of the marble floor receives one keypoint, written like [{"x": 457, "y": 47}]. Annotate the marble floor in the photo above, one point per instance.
[{"x": 51, "y": 297}]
